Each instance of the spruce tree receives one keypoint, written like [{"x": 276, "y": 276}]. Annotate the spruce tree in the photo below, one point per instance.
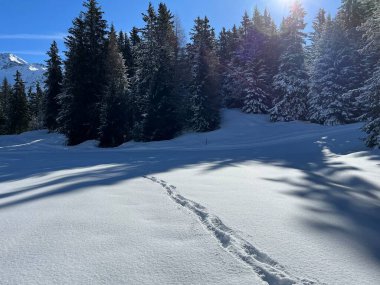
[
  {"x": 114, "y": 106},
  {"x": 53, "y": 87},
  {"x": 36, "y": 107},
  {"x": 319, "y": 25},
  {"x": 332, "y": 76},
  {"x": 234, "y": 78},
  {"x": 370, "y": 92},
  {"x": 205, "y": 101},
  {"x": 134, "y": 41},
  {"x": 157, "y": 100},
  {"x": 84, "y": 80},
  {"x": 5, "y": 95},
  {"x": 291, "y": 82},
  {"x": 229, "y": 44},
  {"x": 126, "y": 50},
  {"x": 18, "y": 118},
  {"x": 2, "y": 113}
]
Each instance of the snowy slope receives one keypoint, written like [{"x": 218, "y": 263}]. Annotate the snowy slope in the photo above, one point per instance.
[
  {"x": 31, "y": 73},
  {"x": 251, "y": 203}
]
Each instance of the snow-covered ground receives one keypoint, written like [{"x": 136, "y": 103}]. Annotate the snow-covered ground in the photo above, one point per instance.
[{"x": 251, "y": 203}]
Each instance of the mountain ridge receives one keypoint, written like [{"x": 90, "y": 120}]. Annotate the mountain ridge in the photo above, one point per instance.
[{"x": 31, "y": 72}]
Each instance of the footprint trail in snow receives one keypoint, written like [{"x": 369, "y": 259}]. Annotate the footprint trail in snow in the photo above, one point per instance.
[{"x": 264, "y": 266}]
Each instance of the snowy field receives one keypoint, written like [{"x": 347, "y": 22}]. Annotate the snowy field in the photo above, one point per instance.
[{"x": 251, "y": 203}]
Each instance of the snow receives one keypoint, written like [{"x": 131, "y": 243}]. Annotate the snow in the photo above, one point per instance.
[
  {"x": 251, "y": 203},
  {"x": 31, "y": 73},
  {"x": 16, "y": 59}
]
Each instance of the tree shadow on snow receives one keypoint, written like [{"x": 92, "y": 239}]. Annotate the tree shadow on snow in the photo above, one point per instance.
[{"x": 352, "y": 199}]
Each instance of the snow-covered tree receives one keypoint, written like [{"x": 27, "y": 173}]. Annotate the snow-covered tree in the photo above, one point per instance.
[
  {"x": 333, "y": 75},
  {"x": 291, "y": 82},
  {"x": 204, "y": 98},
  {"x": 319, "y": 25},
  {"x": 370, "y": 93}
]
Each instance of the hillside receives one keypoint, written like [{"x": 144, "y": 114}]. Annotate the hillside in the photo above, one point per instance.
[
  {"x": 31, "y": 73},
  {"x": 251, "y": 203}
]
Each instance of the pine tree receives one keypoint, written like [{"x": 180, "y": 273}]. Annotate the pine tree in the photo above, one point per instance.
[
  {"x": 370, "y": 93},
  {"x": 234, "y": 82},
  {"x": 126, "y": 50},
  {"x": 5, "y": 95},
  {"x": 157, "y": 100},
  {"x": 258, "y": 90},
  {"x": 53, "y": 87},
  {"x": 319, "y": 25},
  {"x": 333, "y": 75},
  {"x": 18, "y": 118},
  {"x": 36, "y": 107},
  {"x": 114, "y": 106},
  {"x": 134, "y": 40},
  {"x": 205, "y": 101},
  {"x": 229, "y": 85},
  {"x": 84, "y": 80},
  {"x": 291, "y": 82},
  {"x": 2, "y": 113}
]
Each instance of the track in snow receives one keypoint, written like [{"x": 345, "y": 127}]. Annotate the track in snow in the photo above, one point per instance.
[{"x": 268, "y": 269}]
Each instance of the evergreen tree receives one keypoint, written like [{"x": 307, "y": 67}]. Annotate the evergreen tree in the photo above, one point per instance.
[
  {"x": 126, "y": 50},
  {"x": 234, "y": 78},
  {"x": 319, "y": 25},
  {"x": 258, "y": 90},
  {"x": 291, "y": 82},
  {"x": 2, "y": 113},
  {"x": 371, "y": 91},
  {"x": 5, "y": 95},
  {"x": 245, "y": 25},
  {"x": 134, "y": 40},
  {"x": 158, "y": 101},
  {"x": 205, "y": 101},
  {"x": 18, "y": 118},
  {"x": 114, "y": 107},
  {"x": 333, "y": 75},
  {"x": 84, "y": 80},
  {"x": 53, "y": 87},
  {"x": 36, "y": 107},
  {"x": 229, "y": 43}
]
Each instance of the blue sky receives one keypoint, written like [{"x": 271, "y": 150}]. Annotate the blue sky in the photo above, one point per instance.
[{"x": 28, "y": 26}]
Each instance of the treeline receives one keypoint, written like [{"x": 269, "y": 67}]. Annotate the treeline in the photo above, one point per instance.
[
  {"x": 149, "y": 85},
  {"x": 20, "y": 111}
]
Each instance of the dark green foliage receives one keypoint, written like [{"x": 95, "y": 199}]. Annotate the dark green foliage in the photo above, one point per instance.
[
  {"x": 17, "y": 119},
  {"x": 114, "y": 105},
  {"x": 5, "y": 95},
  {"x": 125, "y": 48},
  {"x": 36, "y": 108},
  {"x": 85, "y": 77},
  {"x": 157, "y": 100},
  {"x": 53, "y": 87},
  {"x": 204, "y": 88}
]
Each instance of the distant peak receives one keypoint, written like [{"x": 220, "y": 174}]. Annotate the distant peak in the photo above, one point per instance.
[{"x": 16, "y": 59}]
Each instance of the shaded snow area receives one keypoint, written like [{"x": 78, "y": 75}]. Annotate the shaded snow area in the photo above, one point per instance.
[{"x": 251, "y": 203}]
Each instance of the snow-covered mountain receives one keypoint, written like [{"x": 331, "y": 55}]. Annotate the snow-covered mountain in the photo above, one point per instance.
[{"x": 31, "y": 73}]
